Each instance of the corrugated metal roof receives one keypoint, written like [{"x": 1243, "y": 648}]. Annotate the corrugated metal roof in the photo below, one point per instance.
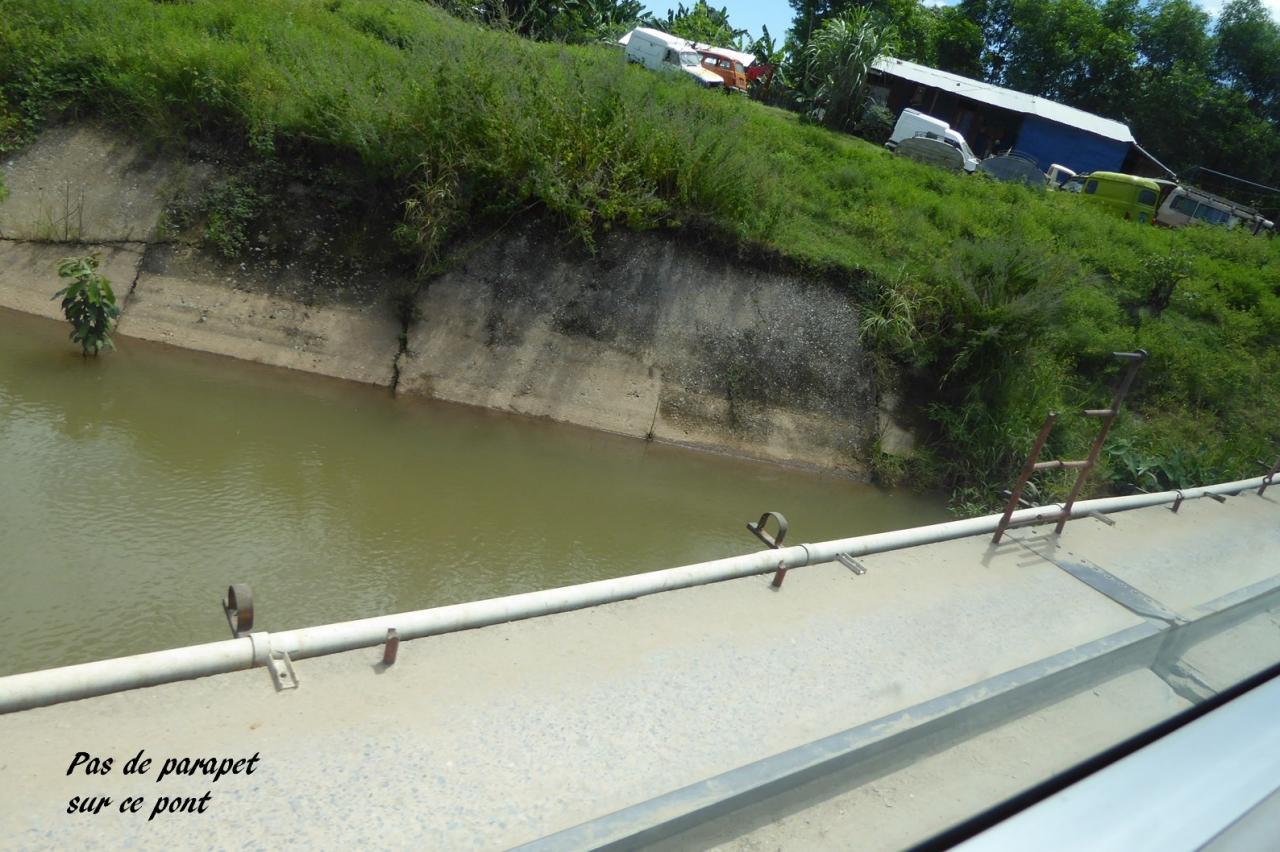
[{"x": 1005, "y": 98}]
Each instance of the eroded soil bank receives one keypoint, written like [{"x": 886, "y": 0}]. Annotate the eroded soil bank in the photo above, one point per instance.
[{"x": 651, "y": 336}]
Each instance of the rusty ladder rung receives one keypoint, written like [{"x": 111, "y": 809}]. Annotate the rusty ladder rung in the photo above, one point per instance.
[
  {"x": 1033, "y": 464},
  {"x": 1058, "y": 464},
  {"x": 1136, "y": 360},
  {"x": 1038, "y": 519}
]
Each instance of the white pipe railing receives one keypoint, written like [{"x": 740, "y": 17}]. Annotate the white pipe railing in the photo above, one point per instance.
[{"x": 69, "y": 683}]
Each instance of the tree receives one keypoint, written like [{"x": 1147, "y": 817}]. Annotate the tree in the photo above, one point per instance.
[
  {"x": 1248, "y": 53},
  {"x": 840, "y": 55},
  {"x": 957, "y": 42},
  {"x": 88, "y": 303},
  {"x": 911, "y": 21},
  {"x": 1173, "y": 31},
  {"x": 703, "y": 24},
  {"x": 570, "y": 21}
]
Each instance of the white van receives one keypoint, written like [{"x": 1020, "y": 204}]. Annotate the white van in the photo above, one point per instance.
[
  {"x": 1185, "y": 205},
  {"x": 663, "y": 52},
  {"x": 913, "y": 123}
]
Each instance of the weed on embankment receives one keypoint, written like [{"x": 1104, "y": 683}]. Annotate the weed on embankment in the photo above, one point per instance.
[{"x": 987, "y": 303}]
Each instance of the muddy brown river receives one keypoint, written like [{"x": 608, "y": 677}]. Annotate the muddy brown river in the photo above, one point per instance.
[{"x": 134, "y": 487}]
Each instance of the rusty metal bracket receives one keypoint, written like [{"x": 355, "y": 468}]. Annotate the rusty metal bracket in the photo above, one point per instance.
[
  {"x": 1177, "y": 503},
  {"x": 779, "y": 575},
  {"x": 238, "y": 607},
  {"x": 282, "y": 673},
  {"x": 392, "y": 647},
  {"x": 757, "y": 529},
  {"x": 1269, "y": 478}
]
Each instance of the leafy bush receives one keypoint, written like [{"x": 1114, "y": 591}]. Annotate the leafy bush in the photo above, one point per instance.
[
  {"x": 229, "y": 209},
  {"x": 839, "y": 59},
  {"x": 876, "y": 123},
  {"x": 88, "y": 303}
]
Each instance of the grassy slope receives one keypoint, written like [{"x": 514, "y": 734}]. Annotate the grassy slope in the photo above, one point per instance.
[{"x": 1027, "y": 290}]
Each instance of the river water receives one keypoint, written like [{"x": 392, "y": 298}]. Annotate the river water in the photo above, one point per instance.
[{"x": 136, "y": 486}]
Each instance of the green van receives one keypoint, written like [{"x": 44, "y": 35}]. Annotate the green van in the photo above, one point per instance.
[{"x": 1127, "y": 196}]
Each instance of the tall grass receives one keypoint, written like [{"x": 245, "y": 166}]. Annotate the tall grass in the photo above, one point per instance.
[{"x": 994, "y": 302}]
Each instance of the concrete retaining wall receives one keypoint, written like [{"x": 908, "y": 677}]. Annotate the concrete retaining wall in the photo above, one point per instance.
[{"x": 653, "y": 336}]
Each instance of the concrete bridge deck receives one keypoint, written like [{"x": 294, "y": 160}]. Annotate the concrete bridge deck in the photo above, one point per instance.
[{"x": 840, "y": 711}]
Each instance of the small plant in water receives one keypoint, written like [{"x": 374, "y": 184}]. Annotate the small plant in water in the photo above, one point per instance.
[{"x": 88, "y": 303}]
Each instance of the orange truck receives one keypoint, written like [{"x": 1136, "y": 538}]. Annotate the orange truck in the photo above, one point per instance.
[{"x": 728, "y": 68}]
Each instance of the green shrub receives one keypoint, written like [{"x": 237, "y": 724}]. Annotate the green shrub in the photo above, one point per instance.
[
  {"x": 229, "y": 208},
  {"x": 88, "y": 303}
]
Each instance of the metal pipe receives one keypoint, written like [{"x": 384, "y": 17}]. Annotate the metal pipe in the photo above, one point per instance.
[
  {"x": 69, "y": 683},
  {"x": 52, "y": 686}
]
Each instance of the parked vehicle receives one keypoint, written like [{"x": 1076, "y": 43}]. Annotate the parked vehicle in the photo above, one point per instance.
[
  {"x": 1059, "y": 175},
  {"x": 661, "y": 51},
  {"x": 728, "y": 69},
  {"x": 1127, "y": 196},
  {"x": 913, "y": 124},
  {"x": 1185, "y": 205},
  {"x": 930, "y": 149},
  {"x": 1014, "y": 168}
]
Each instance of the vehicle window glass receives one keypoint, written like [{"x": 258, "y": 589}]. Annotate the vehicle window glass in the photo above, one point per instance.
[
  {"x": 1147, "y": 196},
  {"x": 671, "y": 57},
  {"x": 709, "y": 61},
  {"x": 1212, "y": 215},
  {"x": 1184, "y": 205},
  {"x": 688, "y": 57},
  {"x": 1091, "y": 187},
  {"x": 737, "y": 66},
  {"x": 724, "y": 63}
]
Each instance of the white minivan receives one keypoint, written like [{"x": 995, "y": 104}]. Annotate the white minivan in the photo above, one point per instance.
[
  {"x": 664, "y": 52},
  {"x": 913, "y": 123}
]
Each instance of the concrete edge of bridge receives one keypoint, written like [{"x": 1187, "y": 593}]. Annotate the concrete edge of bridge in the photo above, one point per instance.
[{"x": 782, "y": 783}]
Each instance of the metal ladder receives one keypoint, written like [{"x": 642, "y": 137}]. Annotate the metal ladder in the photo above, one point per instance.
[{"x": 1106, "y": 415}]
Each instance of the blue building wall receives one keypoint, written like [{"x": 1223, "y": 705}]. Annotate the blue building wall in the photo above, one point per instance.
[{"x": 1076, "y": 149}]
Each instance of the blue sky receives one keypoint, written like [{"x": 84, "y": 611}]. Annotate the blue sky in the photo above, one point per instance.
[{"x": 776, "y": 14}]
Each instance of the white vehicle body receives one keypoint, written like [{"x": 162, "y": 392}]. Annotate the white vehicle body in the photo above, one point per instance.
[
  {"x": 914, "y": 123},
  {"x": 661, "y": 51},
  {"x": 1185, "y": 205},
  {"x": 1058, "y": 175}
]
